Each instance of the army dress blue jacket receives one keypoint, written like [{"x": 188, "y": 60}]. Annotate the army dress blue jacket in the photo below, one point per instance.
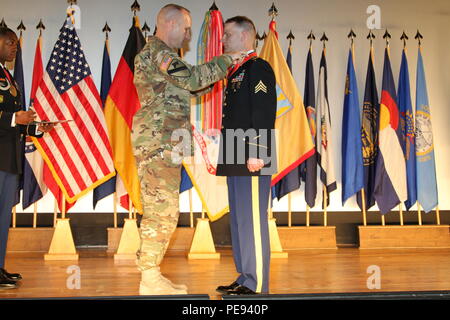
[
  {"x": 248, "y": 119},
  {"x": 12, "y": 140}
]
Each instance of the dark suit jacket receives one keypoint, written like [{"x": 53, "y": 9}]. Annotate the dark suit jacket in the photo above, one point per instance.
[
  {"x": 11, "y": 138},
  {"x": 248, "y": 120}
]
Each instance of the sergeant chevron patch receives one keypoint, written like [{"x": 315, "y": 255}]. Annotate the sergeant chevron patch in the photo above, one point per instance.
[{"x": 260, "y": 87}]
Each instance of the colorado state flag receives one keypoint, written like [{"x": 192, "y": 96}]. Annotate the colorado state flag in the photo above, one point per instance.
[{"x": 390, "y": 180}]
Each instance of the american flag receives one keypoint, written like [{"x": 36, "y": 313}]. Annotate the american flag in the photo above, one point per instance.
[{"x": 78, "y": 153}]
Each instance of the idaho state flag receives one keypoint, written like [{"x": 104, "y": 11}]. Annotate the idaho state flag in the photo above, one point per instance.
[
  {"x": 390, "y": 181},
  {"x": 121, "y": 105},
  {"x": 408, "y": 141},
  {"x": 294, "y": 141}
]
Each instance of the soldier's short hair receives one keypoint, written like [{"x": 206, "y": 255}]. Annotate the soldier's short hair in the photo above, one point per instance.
[
  {"x": 5, "y": 31},
  {"x": 243, "y": 22},
  {"x": 170, "y": 12},
  {"x": 174, "y": 6}
]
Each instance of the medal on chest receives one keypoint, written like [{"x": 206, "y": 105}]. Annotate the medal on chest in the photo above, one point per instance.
[
  {"x": 13, "y": 91},
  {"x": 236, "y": 81}
]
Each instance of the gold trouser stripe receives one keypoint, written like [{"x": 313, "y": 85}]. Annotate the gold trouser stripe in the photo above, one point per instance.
[{"x": 257, "y": 233}]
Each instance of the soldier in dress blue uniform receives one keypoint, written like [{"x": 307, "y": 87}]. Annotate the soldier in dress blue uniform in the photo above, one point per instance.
[
  {"x": 15, "y": 124},
  {"x": 247, "y": 157}
]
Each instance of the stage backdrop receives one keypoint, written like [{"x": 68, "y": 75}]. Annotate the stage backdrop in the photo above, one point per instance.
[{"x": 334, "y": 17}]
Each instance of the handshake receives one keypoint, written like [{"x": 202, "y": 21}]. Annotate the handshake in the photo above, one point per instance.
[{"x": 28, "y": 117}]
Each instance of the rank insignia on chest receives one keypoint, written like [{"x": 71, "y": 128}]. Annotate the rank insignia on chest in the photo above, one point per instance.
[
  {"x": 1, "y": 99},
  {"x": 260, "y": 87}
]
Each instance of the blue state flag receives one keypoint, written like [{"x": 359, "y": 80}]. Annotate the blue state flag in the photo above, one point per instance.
[
  {"x": 34, "y": 187},
  {"x": 185, "y": 183},
  {"x": 352, "y": 159},
  {"x": 408, "y": 140},
  {"x": 427, "y": 194},
  {"x": 309, "y": 167},
  {"x": 109, "y": 187},
  {"x": 369, "y": 136}
]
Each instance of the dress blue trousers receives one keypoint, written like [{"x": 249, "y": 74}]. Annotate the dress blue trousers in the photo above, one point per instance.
[
  {"x": 248, "y": 200},
  {"x": 8, "y": 188}
]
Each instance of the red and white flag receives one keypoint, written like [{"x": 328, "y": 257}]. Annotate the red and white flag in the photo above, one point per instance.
[{"x": 77, "y": 152}]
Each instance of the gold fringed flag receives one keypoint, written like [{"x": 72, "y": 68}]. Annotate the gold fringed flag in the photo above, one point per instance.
[
  {"x": 206, "y": 115},
  {"x": 294, "y": 140},
  {"x": 77, "y": 152}
]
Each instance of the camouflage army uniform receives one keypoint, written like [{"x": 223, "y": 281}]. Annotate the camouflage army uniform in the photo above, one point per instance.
[{"x": 164, "y": 84}]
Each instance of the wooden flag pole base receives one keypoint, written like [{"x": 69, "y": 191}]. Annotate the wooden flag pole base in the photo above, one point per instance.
[
  {"x": 202, "y": 246},
  {"x": 62, "y": 246},
  {"x": 276, "y": 250},
  {"x": 130, "y": 241},
  {"x": 406, "y": 236},
  {"x": 312, "y": 237}
]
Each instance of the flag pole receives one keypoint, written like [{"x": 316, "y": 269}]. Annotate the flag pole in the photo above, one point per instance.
[
  {"x": 419, "y": 214},
  {"x": 115, "y": 209},
  {"x": 289, "y": 210},
  {"x": 14, "y": 212},
  {"x": 191, "y": 213},
  {"x": 145, "y": 29},
  {"x": 63, "y": 212},
  {"x": 364, "y": 210},
  {"x": 269, "y": 205},
  {"x": 307, "y": 215},
  {"x": 130, "y": 208},
  {"x": 35, "y": 215},
  {"x": 438, "y": 217},
  {"x": 325, "y": 200},
  {"x": 55, "y": 212},
  {"x": 401, "y": 213},
  {"x": 383, "y": 220}
]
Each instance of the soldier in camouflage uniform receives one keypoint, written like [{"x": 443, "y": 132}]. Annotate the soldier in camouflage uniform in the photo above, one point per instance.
[{"x": 165, "y": 84}]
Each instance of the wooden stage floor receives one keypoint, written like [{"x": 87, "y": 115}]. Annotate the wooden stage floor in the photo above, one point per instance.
[{"x": 310, "y": 271}]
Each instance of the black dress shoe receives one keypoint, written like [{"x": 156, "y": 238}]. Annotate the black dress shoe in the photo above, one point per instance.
[
  {"x": 6, "y": 283},
  {"x": 225, "y": 289},
  {"x": 11, "y": 276},
  {"x": 241, "y": 290}
]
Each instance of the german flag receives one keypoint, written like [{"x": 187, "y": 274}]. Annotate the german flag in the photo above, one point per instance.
[{"x": 121, "y": 105}]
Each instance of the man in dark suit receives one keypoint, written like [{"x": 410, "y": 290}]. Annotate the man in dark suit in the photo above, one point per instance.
[
  {"x": 247, "y": 157},
  {"x": 14, "y": 125}
]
